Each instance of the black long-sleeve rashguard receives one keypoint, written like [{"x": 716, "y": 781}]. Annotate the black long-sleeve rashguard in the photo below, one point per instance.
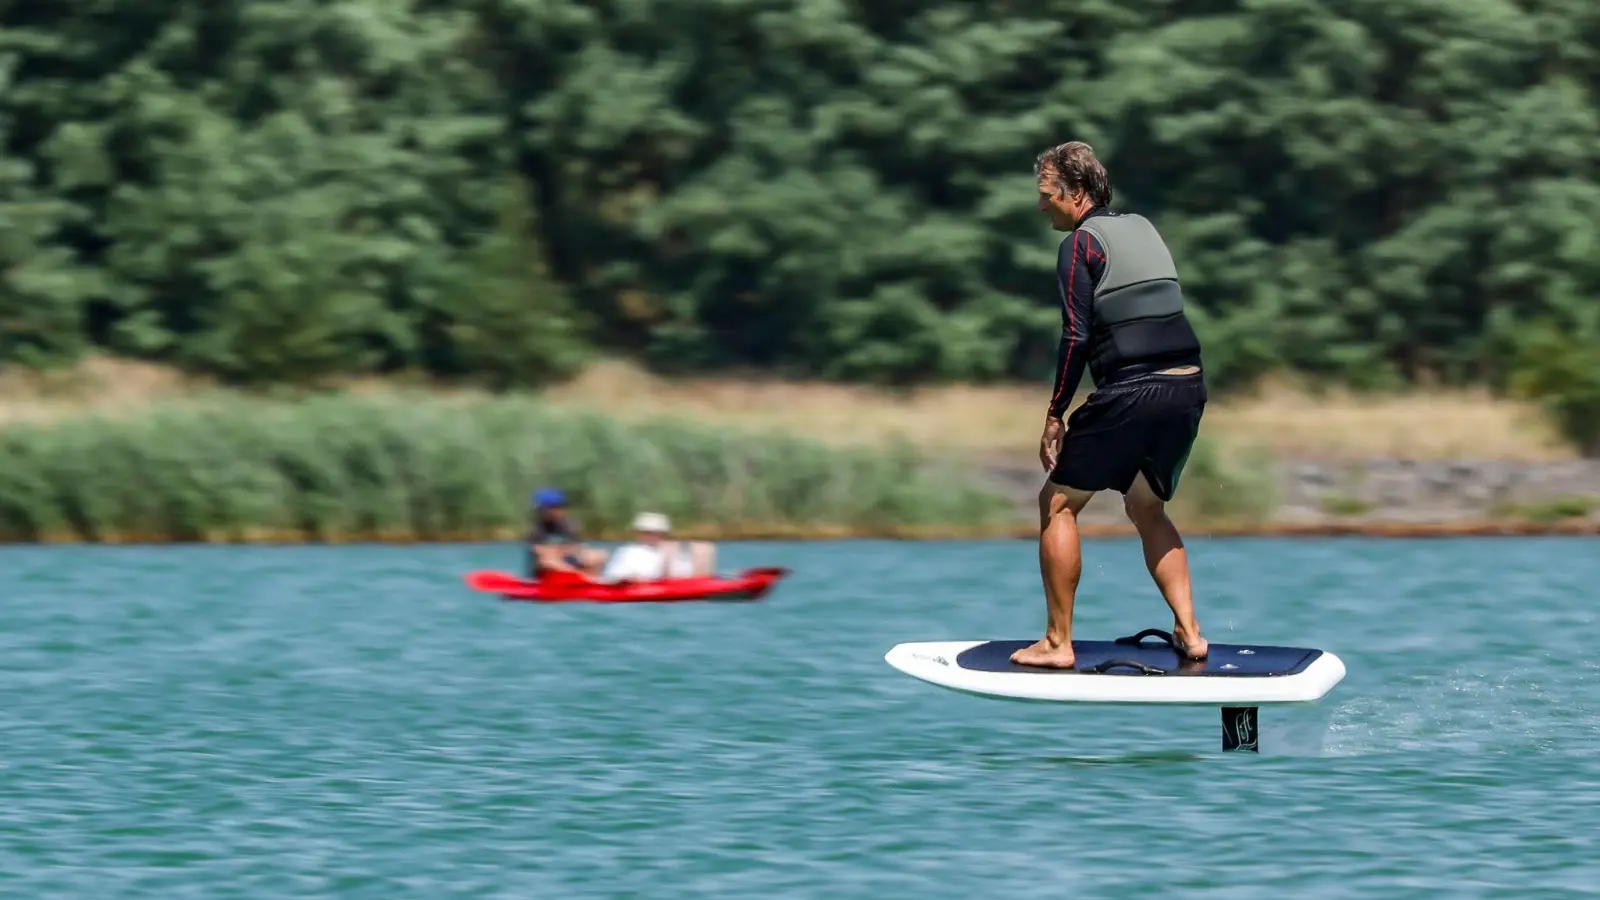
[{"x": 1080, "y": 264}]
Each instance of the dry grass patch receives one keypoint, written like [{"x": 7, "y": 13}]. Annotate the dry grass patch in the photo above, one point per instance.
[
  {"x": 996, "y": 422},
  {"x": 1419, "y": 425},
  {"x": 958, "y": 418},
  {"x": 99, "y": 385},
  {"x": 1004, "y": 421}
]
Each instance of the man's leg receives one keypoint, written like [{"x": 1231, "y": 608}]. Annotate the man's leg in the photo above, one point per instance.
[
  {"x": 1060, "y": 565},
  {"x": 1168, "y": 562}
]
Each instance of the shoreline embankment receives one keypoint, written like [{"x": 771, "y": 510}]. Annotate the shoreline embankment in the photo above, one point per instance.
[{"x": 409, "y": 469}]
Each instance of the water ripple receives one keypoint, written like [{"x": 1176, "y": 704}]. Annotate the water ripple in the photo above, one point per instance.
[{"x": 351, "y": 722}]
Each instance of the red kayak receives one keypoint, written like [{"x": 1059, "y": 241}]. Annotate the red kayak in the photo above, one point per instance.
[{"x": 751, "y": 584}]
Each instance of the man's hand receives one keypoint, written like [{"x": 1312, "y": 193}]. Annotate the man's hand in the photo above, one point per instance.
[{"x": 1050, "y": 442}]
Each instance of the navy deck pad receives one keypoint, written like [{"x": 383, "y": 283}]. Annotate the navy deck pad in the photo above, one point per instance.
[{"x": 1223, "y": 660}]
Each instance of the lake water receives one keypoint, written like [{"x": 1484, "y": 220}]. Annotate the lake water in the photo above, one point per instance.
[{"x": 352, "y": 722}]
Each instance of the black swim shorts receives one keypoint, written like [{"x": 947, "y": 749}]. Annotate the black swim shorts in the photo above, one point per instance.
[{"x": 1145, "y": 425}]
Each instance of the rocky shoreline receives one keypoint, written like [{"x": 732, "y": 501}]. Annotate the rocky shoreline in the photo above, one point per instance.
[{"x": 1390, "y": 497}]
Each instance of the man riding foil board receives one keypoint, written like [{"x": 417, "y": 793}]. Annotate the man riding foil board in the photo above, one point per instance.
[{"x": 1122, "y": 318}]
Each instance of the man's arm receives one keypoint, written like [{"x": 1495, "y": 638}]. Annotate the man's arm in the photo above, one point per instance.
[
  {"x": 1079, "y": 267},
  {"x": 551, "y": 554}
]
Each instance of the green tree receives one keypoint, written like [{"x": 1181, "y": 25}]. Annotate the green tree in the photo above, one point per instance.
[
  {"x": 42, "y": 288},
  {"x": 1363, "y": 191},
  {"x": 1558, "y": 364},
  {"x": 497, "y": 315}
]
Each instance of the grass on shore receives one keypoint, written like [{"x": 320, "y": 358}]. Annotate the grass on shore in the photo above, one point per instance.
[
  {"x": 992, "y": 423},
  {"x": 1004, "y": 421},
  {"x": 119, "y": 452},
  {"x": 398, "y": 467}
]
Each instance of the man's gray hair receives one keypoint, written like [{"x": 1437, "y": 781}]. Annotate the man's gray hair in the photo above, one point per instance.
[{"x": 1071, "y": 166}]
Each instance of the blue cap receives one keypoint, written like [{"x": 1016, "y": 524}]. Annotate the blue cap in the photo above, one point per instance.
[{"x": 549, "y": 497}]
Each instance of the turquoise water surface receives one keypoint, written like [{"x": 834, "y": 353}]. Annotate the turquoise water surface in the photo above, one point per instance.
[{"x": 219, "y": 722}]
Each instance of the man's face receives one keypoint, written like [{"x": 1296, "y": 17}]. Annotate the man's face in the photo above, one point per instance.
[
  {"x": 649, "y": 538},
  {"x": 1064, "y": 209}
]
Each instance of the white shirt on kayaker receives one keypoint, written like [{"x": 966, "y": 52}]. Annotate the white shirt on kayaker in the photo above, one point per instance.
[
  {"x": 638, "y": 562},
  {"x": 648, "y": 562}
]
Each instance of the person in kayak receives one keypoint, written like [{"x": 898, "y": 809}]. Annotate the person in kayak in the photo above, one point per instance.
[
  {"x": 553, "y": 541},
  {"x": 654, "y": 555},
  {"x": 1122, "y": 317}
]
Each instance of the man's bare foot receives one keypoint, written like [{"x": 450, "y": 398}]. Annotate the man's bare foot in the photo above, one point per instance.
[
  {"x": 1190, "y": 644},
  {"x": 1046, "y": 654}
]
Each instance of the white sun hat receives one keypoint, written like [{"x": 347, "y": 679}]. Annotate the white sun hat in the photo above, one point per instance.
[{"x": 652, "y": 522}]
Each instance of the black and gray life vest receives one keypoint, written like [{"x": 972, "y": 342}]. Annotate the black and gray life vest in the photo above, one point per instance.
[{"x": 1138, "y": 304}]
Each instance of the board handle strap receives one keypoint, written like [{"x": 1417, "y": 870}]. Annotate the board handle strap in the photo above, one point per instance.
[
  {"x": 1135, "y": 639},
  {"x": 1126, "y": 664}
]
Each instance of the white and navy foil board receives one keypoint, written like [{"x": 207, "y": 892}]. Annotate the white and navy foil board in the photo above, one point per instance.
[{"x": 1128, "y": 670}]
